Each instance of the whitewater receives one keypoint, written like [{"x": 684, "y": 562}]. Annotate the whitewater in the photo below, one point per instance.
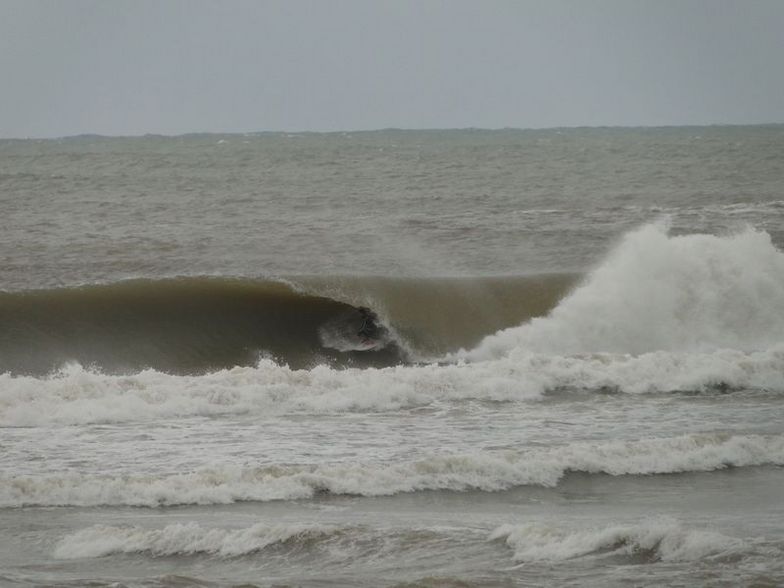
[{"x": 589, "y": 394}]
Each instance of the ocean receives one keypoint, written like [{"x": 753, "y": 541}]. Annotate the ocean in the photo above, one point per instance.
[{"x": 436, "y": 359}]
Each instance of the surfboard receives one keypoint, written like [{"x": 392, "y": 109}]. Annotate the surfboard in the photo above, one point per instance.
[{"x": 368, "y": 344}]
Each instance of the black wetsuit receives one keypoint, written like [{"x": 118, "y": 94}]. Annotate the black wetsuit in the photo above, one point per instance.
[{"x": 369, "y": 328}]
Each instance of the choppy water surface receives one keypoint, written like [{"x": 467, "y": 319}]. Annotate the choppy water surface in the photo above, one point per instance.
[{"x": 581, "y": 381}]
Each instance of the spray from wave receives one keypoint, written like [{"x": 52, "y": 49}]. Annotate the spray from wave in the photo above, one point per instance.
[{"x": 657, "y": 292}]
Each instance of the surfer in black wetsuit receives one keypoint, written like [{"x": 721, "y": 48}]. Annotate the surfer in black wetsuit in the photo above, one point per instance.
[
  {"x": 369, "y": 328},
  {"x": 372, "y": 335}
]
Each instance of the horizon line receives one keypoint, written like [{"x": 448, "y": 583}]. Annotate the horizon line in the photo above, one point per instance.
[{"x": 382, "y": 129}]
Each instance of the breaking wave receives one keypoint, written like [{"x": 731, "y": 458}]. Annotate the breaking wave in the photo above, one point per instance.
[
  {"x": 654, "y": 540},
  {"x": 347, "y": 543},
  {"x": 678, "y": 305},
  {"x": 186, "y": 539},
  {"x": 648, "y": 541},
  {"x": 485, "y": 471}
]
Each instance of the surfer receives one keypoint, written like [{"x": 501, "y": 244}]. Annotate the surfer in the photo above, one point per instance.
[
  {"x": 349, "y": 332},
  {"x": 369, "y": 329}
]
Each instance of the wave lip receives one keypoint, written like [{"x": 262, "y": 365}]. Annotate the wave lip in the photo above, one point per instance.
[
  {"x": 662, "y": 539},
  {"x": 485, "y": 471}
]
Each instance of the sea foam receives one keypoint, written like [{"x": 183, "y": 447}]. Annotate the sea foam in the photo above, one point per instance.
[{"x": 76, "y": 395}]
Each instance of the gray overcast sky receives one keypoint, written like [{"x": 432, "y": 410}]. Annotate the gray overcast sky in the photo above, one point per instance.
[{"x": 177, "y": 66}]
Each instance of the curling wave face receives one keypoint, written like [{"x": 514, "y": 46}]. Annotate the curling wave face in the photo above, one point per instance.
[
  {"x": 190, "y": 325},
  {"x": 197, "y": 325}
]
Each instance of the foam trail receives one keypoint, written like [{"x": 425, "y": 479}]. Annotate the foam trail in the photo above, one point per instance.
[
  {"x": 659, "y": 292},
  {"x": 486, "y": 470}
]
